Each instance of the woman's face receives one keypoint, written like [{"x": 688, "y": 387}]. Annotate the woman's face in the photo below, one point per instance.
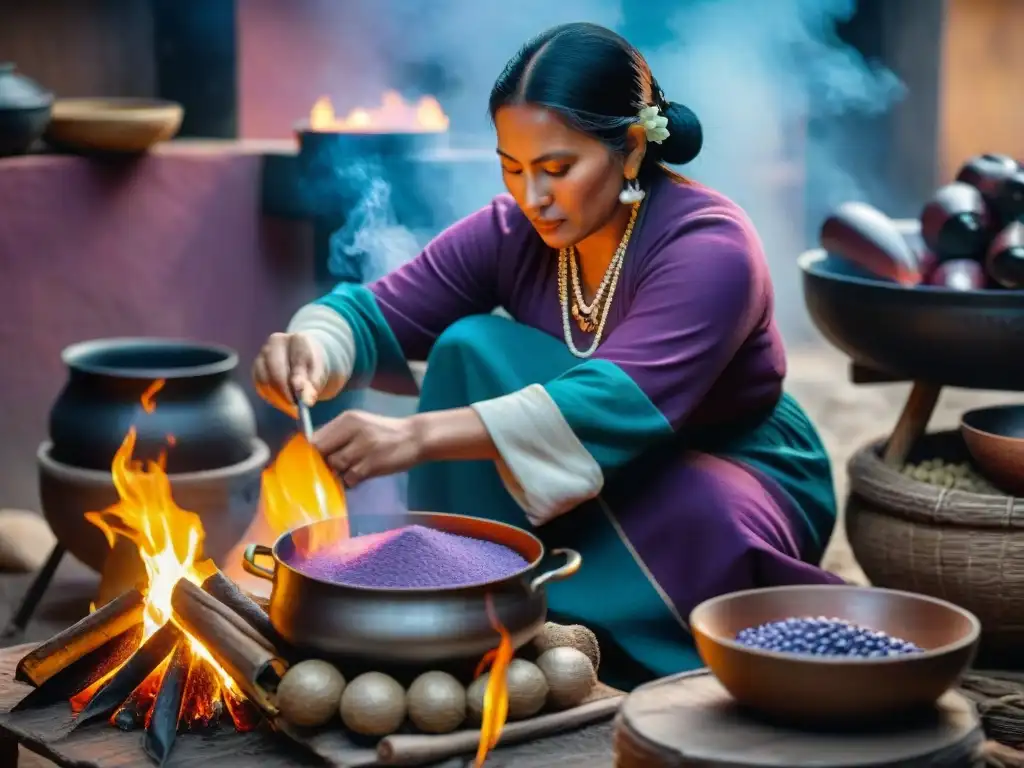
[{"x": 566, "y": 182}]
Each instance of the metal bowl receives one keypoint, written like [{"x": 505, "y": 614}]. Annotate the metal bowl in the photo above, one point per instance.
[
  {"x": 836, "y": 691},
  {"x": 957, "y": 338},
  {"x": 405, "y": 626},
  {"x": 995, "y": 439}
]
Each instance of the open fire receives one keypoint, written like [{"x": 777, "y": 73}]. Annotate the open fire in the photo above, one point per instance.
[
  {"x": 169, "y": 541},
  {"x": 187, "y": 649},
  {"x": 393, "y": 115}
]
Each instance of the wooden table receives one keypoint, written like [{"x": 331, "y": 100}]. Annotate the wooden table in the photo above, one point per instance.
[
  {"x": 691, "y": 720},
  {"x": 103, "y": 745}
]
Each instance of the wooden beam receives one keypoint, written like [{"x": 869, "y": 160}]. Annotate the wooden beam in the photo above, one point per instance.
[{"x": 912, "y": 33}]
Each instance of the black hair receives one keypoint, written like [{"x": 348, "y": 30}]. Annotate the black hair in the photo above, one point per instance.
[{"x": 598, "y": 83}]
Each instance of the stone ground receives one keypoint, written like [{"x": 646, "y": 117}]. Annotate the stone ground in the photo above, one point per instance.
[{"x": 848, "y": 416}]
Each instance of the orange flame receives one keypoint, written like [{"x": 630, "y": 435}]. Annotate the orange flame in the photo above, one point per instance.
[
  {"x": 299, "y": 488},
  {"x": 169, "y": 541},
  {"x": 394, "y": 115},
  {"x": 148, "y": 403},
  {"x": 496, "y": 696}
]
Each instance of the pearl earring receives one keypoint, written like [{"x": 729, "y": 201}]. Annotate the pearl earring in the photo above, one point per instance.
[{"x": 631, "y": 192}]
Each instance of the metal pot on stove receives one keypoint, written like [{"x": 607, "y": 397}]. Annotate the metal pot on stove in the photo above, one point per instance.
[{"x": 418, "y": 626}]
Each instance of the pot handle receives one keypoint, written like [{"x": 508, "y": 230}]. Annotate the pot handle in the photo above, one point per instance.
[
  {"x": 249, "y": 561},
  {"x": 573, "y": 561}
]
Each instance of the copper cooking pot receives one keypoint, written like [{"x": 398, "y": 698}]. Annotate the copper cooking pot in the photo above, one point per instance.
[{"x": 405, "y": 626}]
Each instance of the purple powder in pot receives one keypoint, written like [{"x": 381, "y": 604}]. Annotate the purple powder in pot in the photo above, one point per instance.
[{"x": 413, "y": 556}]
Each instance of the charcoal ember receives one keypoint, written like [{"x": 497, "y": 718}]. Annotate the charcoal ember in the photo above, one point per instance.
[
  {"x": 144, "y": 661},
  {"x": 163, "y": 722},
  {"x": 127, "y": 718}
]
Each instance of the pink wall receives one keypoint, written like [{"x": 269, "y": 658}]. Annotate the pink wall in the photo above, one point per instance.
[
  {"x": 288, "y": 59},
  {"x": 173, "y": 244}
]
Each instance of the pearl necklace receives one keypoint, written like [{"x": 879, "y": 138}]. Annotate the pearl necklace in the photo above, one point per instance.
[
  {"x": 567, "y": 266},
  {"x": 584, "y": 308}
]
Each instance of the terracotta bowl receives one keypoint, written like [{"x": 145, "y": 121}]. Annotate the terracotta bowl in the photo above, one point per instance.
[
  {"x": 995, "y": 438},
  {"x": 126, "y": 126},
  {"x": 812, "y": 690}
]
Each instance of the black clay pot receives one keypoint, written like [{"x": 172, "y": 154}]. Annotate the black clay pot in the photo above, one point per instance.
[
  {"x": 202, "y": 418},
  {"x": 24, "y": 111}
]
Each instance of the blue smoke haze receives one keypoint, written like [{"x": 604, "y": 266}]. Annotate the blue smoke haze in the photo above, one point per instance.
[{"x": 756, "y": 72}]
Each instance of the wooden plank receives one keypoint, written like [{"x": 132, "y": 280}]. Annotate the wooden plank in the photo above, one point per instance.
[{"x": 912, "y": 40}]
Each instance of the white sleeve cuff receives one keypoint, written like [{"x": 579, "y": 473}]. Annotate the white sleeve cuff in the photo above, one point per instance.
[
  {"x": 544, "y": 466},
  {"x": 332, "y": 337}
]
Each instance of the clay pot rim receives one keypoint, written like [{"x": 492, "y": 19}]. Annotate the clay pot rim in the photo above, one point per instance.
[
  {"x": 95, "y": 477},
  {"x": 700, "y": 625},
  {"x": 73, "y": 357}
]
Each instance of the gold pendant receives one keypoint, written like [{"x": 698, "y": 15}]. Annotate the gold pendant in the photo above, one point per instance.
[{"x": 585, "y": 324}]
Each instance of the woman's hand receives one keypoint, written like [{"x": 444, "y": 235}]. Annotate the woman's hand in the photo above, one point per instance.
[
  {"x": 289, "y": 364},
  {"x": 360, "y": 445}
]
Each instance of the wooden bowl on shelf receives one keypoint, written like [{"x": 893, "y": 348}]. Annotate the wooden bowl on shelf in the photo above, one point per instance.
[
  {"x": 121, "y": 126},
  {"x": 995, "y": 439},
  {"x": 823, "y": 691}
]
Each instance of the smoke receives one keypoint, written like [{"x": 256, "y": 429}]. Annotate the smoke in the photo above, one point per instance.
[
  {"x": 371, "y": 242},
  {"x": 458, "y": 47},
  {"x": 774, "y": 86}
]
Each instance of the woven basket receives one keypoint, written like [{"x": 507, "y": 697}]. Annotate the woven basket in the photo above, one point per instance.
[{"x": 959, "y": 546}]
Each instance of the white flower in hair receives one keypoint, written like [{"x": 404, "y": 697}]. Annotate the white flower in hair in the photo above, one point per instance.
[{"x": 654, "y": 124}]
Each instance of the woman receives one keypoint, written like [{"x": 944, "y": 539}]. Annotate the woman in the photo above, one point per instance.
[{"x": 632, "y": 409}]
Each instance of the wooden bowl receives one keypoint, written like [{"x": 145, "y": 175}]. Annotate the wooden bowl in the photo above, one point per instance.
[
  {"x": 995, "y": 438},
  {"x": 812, "y": 690},
  {"x": 125, "y": 126}
]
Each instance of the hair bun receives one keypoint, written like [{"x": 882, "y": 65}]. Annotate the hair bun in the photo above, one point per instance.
[{"x": 685, "y": 137}]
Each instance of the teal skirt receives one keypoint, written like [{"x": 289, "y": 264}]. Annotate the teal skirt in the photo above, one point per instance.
[{"x": 713, "y": 512}]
